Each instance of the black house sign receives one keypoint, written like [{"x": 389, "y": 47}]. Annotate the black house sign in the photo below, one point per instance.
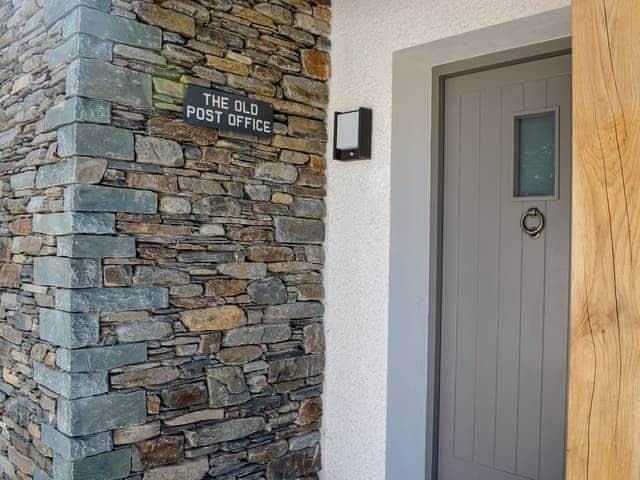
[{"x": 217, "y": 109}]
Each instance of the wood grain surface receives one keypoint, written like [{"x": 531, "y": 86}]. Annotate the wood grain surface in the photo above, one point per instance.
[{"x": 604, "y": 385}]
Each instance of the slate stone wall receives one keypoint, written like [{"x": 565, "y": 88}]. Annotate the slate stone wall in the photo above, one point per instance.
[{"x": 160, "y": 283}]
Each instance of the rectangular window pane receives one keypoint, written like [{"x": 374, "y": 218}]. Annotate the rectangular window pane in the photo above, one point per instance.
[{"x": 536, "y": 155}]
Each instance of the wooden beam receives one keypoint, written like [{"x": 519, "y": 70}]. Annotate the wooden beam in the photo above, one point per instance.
[{"x": 604, "y": 375}]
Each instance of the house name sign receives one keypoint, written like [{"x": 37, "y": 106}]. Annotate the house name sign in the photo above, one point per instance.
[{"x": 217, "y": 109}]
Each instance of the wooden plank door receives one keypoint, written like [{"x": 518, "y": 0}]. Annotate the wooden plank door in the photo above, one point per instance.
[{"x": 505, "y": 303}]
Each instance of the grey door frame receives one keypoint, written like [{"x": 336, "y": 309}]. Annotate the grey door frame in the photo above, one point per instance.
[
  {"x": 416, "y": 218},
  {"x": 440, "y": 74}
]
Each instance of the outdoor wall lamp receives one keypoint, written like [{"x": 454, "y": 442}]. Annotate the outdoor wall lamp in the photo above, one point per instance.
[{"x": 352, "y": 135}]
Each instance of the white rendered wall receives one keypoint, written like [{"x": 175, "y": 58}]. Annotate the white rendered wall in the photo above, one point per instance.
[{"x": 365, "y": 34}]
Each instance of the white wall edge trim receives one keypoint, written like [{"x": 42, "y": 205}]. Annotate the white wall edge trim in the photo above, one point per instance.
[{"x": 410, "y": 403}]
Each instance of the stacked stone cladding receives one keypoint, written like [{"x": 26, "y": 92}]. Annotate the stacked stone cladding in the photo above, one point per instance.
[{"x": 160, "y": 283}]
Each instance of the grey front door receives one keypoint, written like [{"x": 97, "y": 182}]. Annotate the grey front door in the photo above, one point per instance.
[{"x": 505, "y": 305}]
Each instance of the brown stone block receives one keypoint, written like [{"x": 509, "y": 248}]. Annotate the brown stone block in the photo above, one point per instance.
[
  {"x": 5, "y": 249},
  {"x": 322, "y": 13},
  {"x": 180, "y": 131},
  {"x": 299, "y": 144},
  {"x": 295, "y": 108},
  {"x": 295, "y": 368},
  {"x": 310, "y": 291},
  {"x": 292, "y": 267},
  {"x": 223, "y": 287},
  {"x": 189, "y": 303},
  {"x": 217, "y": 155},
  {"x": 252, "y": 16},
  {"x": 227, "y": 386},
  {"x": 153, "y": 404},
  {"x": 167, "y": 19},
  {"x": 191, "y": 8},
  {"x": 316, "y": 64},
  {"x": 267, "y": 74},
  {"x": 210, "y": 343},
  {"x": 200, "y": 185},
  {"x": 318, "y": 162},
  {"x": 187, "y": 291},
  {"x": 295, "y": 465},
  {"x": 183, "y": 396},
  {"x": 146, "y": 377},
  {"x": 307, "y": 128},
  {"x": 117, "y": 275},
  {"x": 22, "y": 226},
  {"x": 314, "y": 338},
  {"x": 310, "y": 411},
  {"x": 137, "y": 433},
  {"x": 264, "y": 253},
  {"x": 248, "y": 234},
  {"x": 30, "y": 245},
  {"x": 304, "y": 90},
  {"x": 226, "y": 65},
  {"x": 214, "y": 318},
  {"x": 156, "y": 229},
  {"x": 251, "y": 85},
  {"x": 313, "y": 25},
  {"x": 10, "y": 275},
  {"x": 157, "y": 183},
  {"x": 192, "y": 470},
  {"x": 285, "y": 64},
  {"x": 266, "y": 453},
  {"x": 195, "y": 417},
  {"x": 243, "y": 270},
  {"x": 240, "y": 355},
  {"x": 277, "y": 13},
  {"x": 310, "y": 177},
  {"x": 160, "y": 451},
  {"x": 11, "y": 378}
]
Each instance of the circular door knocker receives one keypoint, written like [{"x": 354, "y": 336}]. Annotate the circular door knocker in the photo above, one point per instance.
[{"x": 532, "y": 222}]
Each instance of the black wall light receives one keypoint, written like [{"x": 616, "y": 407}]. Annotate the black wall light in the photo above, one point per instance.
[{"x": 352, "y": 135}]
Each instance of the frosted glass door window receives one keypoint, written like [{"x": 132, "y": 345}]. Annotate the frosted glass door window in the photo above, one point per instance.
[{"x": 535, "y": 163}]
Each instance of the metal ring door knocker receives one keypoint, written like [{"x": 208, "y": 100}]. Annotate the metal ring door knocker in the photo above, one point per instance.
[{"x": 534, "y": 230}]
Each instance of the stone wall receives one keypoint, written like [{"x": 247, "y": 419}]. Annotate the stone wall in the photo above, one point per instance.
[{"x": 160, "y": 283}]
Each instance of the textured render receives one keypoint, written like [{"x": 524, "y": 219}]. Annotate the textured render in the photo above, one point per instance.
[
  {"x": 160, "y": 284},
  {"x": 358, "y": 214}
]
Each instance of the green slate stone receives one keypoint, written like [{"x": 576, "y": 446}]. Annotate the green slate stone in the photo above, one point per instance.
[
  {"x": 80, "y": 45},
  {"x": 299, "y": 230},
  {"x": 96, "y": 246},
  {"x": 112, "y": 27},
  {"x": 96, "y": 198},
  {"x": 54, "y": 10},
  {"x": 74, "y": 222},
  {"x": 75, "y": 448},
  {"x": 112, "y": 299},
  {"x": 101, "y": 358},
  {"x": 86, "y": 416},
  {"x": 77, "y": 109},
  {"x": 69, "y": 330},
  {"x": 67, "y": 272},
  {"x": 24, "y": 180},
  {"x": 70, "y": 385},
  {"x": 97, "y": 79},
  {"x": 88, "y": 139},
  {"x": 74, "y": 170},
  {"x": 39, "y": 474},
  {"x": 105, "y": 466}
]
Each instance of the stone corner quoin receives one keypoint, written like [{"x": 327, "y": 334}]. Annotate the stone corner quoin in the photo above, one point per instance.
[{"x": 161, "y": 294}]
